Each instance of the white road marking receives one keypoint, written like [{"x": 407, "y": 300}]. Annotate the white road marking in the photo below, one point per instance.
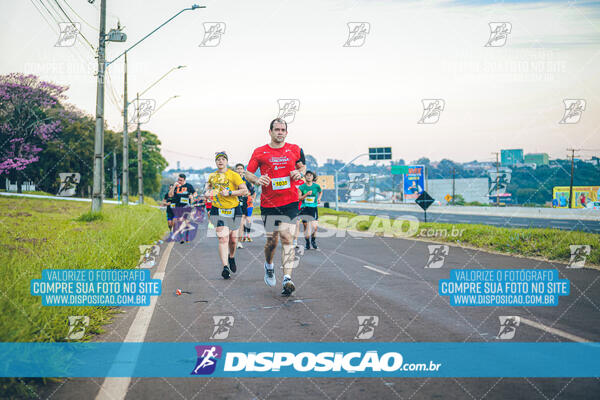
[
  {"x": 116, "y": 388},
  {"x": 353, "y": 258},
  {"x": 376, "y": 270},
  {"x": 554, "y": 331}
]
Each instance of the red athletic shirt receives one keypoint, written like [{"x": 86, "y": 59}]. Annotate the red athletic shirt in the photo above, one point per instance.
[{"x": 277, "y": 164}]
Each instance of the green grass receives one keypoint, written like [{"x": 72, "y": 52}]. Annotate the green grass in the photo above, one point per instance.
[
  {"x": 42, "y": 234},
  {"x": 90, "y": 216},
  {"x": 550, "y": 244}
]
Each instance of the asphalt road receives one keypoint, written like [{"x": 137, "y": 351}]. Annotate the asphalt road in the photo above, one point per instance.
[
  {"x": 334, "y": 287},
  {"x": 512, "y": 222}
]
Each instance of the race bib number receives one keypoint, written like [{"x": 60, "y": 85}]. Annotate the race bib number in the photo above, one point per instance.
[
  {"x": 184, "y": 200},
  {"x": 172, "y": 205},
  {"x": 226, "y": 212},
  {"x": 281, "y": 183},
  {"x": 310, "y": 200}
]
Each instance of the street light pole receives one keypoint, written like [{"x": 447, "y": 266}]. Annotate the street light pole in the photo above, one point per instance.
[
  {"x": 125, "y": 184},
  {"x": 114, "y": 175},
  {"x": 572, "y": 171},
  {"x": 139, "y": 155},
  {"x": 99, "y": 133},
  {"x": 98, "y": 175}
]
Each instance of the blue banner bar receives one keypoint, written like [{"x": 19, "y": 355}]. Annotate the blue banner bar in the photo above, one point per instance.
[{"x": 310, "y": 359}]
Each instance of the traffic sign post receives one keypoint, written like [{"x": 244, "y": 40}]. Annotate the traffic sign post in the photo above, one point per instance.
[
  {"x": 424, "y": 201},
  {"x": 380, "y": 153}
]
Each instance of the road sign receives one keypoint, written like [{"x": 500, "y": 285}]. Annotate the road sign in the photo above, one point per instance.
[
  {"x": 399, "y": 169},
  {"x": 448, "y": 198},
  {"x": 380, "y": 153},
  {"x": 424, "y": 200}
]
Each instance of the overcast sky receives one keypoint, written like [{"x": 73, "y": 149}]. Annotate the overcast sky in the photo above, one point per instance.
[{"x": 352, "y": 97}]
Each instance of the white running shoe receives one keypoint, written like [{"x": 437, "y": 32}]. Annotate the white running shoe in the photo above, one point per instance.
[
  {"x": 270, "y": 279},
  {"x": 239, "y": 246},
  {"x": 288, "y": 286}
]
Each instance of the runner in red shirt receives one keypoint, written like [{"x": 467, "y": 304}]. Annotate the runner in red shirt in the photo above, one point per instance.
[{"x": 279, "y": 199}]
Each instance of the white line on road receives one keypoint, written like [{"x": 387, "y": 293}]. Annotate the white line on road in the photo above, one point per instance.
[
  {"x": 554, "y": 331},
  {"x": 367, "y": 262},
  {"x": 376, "y": 270},
  {"x": 116, "y": 388}
]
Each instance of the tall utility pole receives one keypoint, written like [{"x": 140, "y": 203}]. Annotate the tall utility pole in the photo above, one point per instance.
[
  {"x": 139, "y": 155},
  {"x": 453, "y": 183},
  {"x": 114, "y": 175},
  {"x": 572, "y": 171},
  {"x": 125, "y": 181},
  {"x": 497, "y": 178},
  {"x": 99, "y": 135}
]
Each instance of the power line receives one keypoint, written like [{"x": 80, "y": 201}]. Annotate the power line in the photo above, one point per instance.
[
  {"x": 52, "y": 27},
  {"x": 75, "y": 12},
  {"x": 69, "y": 18}
]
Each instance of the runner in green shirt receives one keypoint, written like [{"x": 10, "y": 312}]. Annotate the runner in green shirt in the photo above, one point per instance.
[{"x": 310, "y": 195}]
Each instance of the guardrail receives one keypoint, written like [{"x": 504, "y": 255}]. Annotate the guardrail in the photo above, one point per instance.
[
  {"x": 39, "y": 196},
  {"x": 587, "y": 214}
]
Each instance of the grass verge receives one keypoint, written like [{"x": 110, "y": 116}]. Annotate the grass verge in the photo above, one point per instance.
[
  {"x": 42, "y": 234},
  {"x": 546, "y": 243}
]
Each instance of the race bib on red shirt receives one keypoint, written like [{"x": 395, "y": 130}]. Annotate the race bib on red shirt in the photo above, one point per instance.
[{"x": 277, "y": 164}]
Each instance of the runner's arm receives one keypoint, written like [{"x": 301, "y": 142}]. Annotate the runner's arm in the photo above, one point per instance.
[
  {"x": 263, "y": 180},
  {"x": 242, "y": 190},
  {"x": 303, "y": 196}
]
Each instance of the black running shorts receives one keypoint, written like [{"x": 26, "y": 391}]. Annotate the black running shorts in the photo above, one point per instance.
[
  {"x": 274, "y": 216},
  {"x": 309, "y": 214}
]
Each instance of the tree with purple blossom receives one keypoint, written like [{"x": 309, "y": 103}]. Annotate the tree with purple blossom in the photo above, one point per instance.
[{"x": 24, "y": 124}]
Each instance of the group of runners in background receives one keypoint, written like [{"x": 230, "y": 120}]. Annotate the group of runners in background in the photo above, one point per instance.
[{"x": 287, "y": 191}]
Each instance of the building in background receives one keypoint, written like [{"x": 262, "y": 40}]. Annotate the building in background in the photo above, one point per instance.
[
  {"x": 536, "y": 158},
  {"x": 511, "y": 157}
]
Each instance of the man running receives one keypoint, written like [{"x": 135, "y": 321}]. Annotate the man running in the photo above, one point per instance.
[
  {"x": 279, "y": 200},
  {"x": 184, "y": 196},
  {"x": 223, "y": 187},
  {"x": 310, "y": 194},
  {"x": 169, "y": 201},
  {"x": 246, "y": 204}
]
